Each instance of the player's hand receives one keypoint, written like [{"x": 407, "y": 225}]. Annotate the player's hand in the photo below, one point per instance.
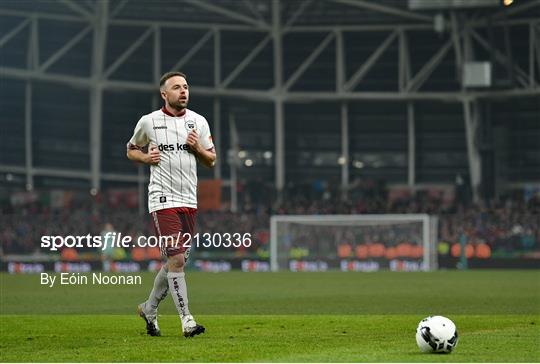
[
  {"x": 153, "y": 156},
  {"x": 193, "y": 141}
]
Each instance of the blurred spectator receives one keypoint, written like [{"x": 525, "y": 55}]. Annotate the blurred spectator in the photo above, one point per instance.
[{"x": 508, "y": 227}]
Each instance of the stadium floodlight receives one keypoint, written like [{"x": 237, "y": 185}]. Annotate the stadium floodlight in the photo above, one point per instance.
[{"x": 353, "y": 242}]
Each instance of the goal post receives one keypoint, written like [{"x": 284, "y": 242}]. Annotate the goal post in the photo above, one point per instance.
[{"x": 353, "y": 242}]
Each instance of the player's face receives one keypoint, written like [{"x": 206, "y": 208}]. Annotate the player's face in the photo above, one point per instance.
[{"x": 176, "y": 92}]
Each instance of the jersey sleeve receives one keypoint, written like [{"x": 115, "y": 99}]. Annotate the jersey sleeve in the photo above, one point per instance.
[
  {"x": 140, "y": 138},
  {"x": 206, "y": 137}
]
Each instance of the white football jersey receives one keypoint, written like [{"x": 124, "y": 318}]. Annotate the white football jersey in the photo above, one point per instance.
[{"x": 173, "y": 182}]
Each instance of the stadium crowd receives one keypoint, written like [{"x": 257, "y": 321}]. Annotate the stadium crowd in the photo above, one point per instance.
[{"x": 510, "y": 226}]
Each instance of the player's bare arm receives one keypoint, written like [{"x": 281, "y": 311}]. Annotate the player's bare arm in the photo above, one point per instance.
[
  {"x": 206, "y": 157},
  {"x": 137, "y": 155}
]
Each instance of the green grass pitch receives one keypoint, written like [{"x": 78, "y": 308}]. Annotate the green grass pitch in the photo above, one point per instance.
[{"x": 277, "y": 317}]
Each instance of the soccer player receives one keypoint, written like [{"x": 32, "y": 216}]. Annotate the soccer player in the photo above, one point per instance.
[{"x": 177, "y": 138}]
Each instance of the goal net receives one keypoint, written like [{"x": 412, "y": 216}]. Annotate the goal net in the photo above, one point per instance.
[{"x": 399, "y": 242}]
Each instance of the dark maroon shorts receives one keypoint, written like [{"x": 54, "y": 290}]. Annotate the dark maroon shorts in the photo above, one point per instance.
[{"x": 171, "y": 222}]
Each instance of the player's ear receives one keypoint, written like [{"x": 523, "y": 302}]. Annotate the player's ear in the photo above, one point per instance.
[{"x": 163, "y": 94}]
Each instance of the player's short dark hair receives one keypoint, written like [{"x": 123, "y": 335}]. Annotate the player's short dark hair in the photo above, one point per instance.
[{"x": 168, "y": 75}]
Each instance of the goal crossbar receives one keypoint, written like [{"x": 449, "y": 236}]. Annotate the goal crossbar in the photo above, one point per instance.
[{"x": 429, "y": 229}]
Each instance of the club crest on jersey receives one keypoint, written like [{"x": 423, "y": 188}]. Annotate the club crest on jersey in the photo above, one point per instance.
[{"x": 190, "y": 125}]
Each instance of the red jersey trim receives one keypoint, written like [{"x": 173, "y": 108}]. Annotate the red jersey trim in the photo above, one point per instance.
[{"x": 166, "y": 112}]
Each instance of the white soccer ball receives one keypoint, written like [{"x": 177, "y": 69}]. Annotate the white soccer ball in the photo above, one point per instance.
[{"x": 436, "y": 334}]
